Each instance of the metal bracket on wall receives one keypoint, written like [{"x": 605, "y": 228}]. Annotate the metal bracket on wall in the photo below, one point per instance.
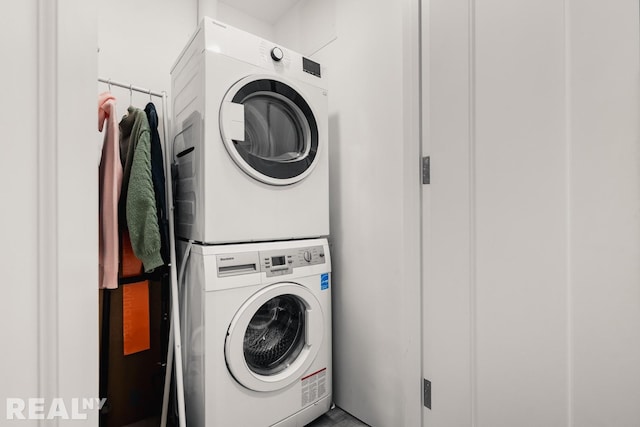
[
  {"x": 426, "y": 170},
  {"x": 426, "y": 393}
]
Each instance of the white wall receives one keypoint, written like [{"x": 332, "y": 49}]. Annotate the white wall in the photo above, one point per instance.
[
  {"x": 307, "y": 27},
  {"x": 49, "y": 308},
  {"x": 532, "y": 302},
  {"x": 140, "y": 41},
  {"x": 520, "y": 184},
  {"x": 18, "y": 307},
  {"x": 140, "y": 46},
  {"x": 373, "y": 182},
  {"x": 75, "y": 250},
  {"x": 239, "y": 19},
  {"x": 207, "y": 8},
  {"x": 604, "y": 212}
]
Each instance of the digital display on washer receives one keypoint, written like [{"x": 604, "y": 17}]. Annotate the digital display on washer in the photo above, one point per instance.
[
  {"x": 311, "y": 67},
  {"x": 277, "y": 260}
]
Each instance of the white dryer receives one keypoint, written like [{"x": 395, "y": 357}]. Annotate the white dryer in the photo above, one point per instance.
[
  {"x": 251, "y": 135},
  {"x": 256, "y": 333}
]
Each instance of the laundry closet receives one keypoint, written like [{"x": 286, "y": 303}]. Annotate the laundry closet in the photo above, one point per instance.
[
  {"x": 366, "y": 166},
  {"x": 254, "y": 171}
]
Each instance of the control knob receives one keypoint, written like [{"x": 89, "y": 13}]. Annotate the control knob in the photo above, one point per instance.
[
  {"x": 307, "y": 256},
  {"x": 277, "y": 54}
]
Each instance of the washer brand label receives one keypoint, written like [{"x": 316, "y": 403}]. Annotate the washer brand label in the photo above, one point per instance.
[
  {"x": 324, "y": 281},
  {"x": 230, "y": 258},
  {"x": 314, "y": 386}
]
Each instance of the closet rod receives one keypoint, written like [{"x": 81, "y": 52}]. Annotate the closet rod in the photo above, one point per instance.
[{"x": 131, "y": 87}]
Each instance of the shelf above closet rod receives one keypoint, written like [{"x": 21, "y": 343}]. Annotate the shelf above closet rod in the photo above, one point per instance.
[{"x": 131, "y": 87}]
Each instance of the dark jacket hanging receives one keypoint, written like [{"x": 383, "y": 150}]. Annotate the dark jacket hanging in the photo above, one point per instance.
[{"x": 157, "y": 175}]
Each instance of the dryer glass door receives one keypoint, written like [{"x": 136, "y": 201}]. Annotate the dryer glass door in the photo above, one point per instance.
[
  {"x": 269, "y": 130},
  {"x": 274, "y": 337}
]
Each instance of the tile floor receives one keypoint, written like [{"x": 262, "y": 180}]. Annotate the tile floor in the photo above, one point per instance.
[{"x": 336, "y": 417}]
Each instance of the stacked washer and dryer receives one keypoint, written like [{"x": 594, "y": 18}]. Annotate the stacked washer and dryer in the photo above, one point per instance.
[{"x": 252, "y": 217}]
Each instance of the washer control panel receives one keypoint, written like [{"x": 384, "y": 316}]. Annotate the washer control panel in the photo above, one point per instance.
[
  {"x": 280, "y": 262},
  {"x": 275, "y": 262}
]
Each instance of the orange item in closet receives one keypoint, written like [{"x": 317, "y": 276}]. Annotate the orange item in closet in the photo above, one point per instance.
[
  {"x": 136, "y": 330},
  {"x": 131, "y": 266}
]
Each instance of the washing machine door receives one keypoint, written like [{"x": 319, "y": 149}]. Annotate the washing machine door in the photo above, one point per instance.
[
  {"x": 269, "y": 130},
  {"x": 274, "y": 337}
]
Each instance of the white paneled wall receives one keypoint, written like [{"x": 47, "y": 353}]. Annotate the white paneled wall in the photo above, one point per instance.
[
  {"x": 520, "y": 239},
  {"x": 532, "y": 220},
  {"x": 49, "y": 262},
  {"x": 19, "y": 225},
  {"x": 604, "y": 211},
  {"x": 76, "y": 199}
]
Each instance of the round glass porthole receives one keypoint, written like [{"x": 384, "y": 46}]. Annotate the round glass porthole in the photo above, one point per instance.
[
  {"x": 275, "y": 335},
  {"x": 280, "y": 140}
]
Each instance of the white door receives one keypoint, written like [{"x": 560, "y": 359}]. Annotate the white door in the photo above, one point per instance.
[
  {"x": 532, "y": 225},
  {"x": 274, "y": 337}
]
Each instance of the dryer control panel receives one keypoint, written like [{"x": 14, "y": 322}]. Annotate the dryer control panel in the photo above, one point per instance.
[{"x": 275, "y": 262}]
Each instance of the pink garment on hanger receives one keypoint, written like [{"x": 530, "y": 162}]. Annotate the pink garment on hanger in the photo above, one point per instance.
[{"x": 110, "y": 184}]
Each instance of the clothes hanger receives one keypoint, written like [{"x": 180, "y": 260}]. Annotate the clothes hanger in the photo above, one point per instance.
[{"x": 131, "y": 95}]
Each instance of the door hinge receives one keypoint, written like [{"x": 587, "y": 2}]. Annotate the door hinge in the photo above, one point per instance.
[
  {"x": 426, "y": 389},
  {"x": 426, "y": 170}
]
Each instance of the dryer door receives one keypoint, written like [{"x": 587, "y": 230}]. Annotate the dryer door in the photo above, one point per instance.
[
  {"x": 274, "y": 337},
  {"x": 269, "y": 130}
]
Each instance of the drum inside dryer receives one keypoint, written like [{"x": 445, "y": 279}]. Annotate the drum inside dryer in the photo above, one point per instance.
[{"x": 275, "y": 129}]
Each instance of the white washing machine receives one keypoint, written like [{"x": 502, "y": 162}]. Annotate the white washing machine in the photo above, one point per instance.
[
  {"x": 256, "y": 333},
  {"x": 251, "y": 134}
]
